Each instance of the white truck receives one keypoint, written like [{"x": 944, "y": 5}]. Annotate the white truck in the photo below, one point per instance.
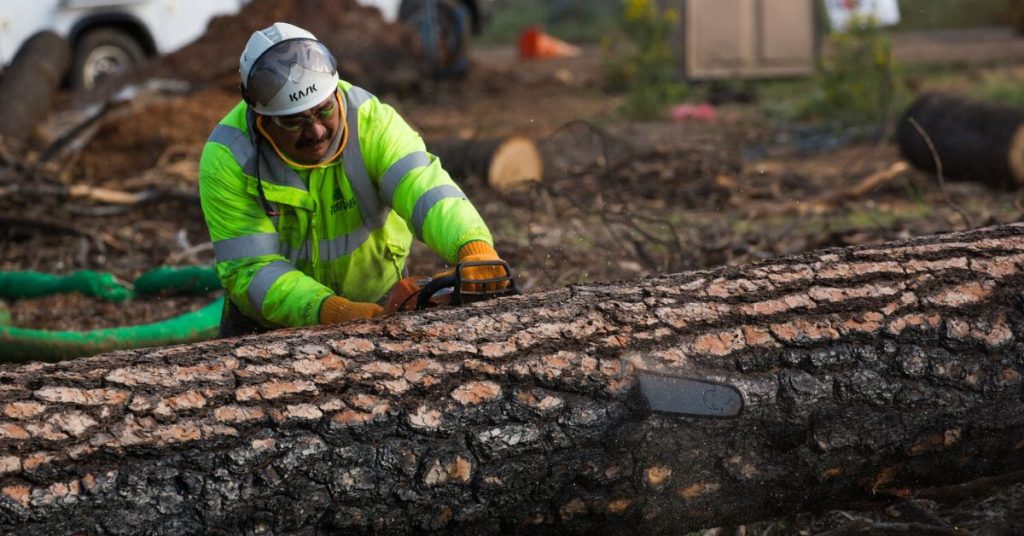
[{"x": 108, "y": 36}]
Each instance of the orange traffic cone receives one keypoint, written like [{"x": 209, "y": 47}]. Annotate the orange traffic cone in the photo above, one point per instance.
[{"x": 534, "y": 43}]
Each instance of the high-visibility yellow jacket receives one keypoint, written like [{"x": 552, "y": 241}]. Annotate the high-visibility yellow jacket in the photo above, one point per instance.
[{"x": 342, "y": 229}]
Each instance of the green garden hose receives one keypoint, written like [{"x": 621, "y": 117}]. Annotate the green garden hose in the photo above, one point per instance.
[
  {"x": 22, "y": 344},
  {"x": 18, "y": 285},
  {"x": 191, "y": 280},
  {"x": 19, "y": 345}
]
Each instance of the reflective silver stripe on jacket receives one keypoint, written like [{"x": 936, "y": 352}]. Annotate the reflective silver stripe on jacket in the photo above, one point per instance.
[
  {"x": 392, "y": 178},
  {"x": 374, "y": 215},
  {"x": 246, "y": 246},
  {"x": 265, "y": 278},
  {"x": 344, "y": 244},
  {"x": 243, "y": 148},
  {"x": 427, "y": 202},
  {"x": 303, "y": 252},
  {"x": 237, "y": 142},
  {"x": 243, "y": 151}
]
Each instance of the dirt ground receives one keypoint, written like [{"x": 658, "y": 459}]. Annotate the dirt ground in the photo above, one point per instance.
[{"x": 619, "y": 200}]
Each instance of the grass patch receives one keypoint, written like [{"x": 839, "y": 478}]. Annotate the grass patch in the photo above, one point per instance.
[
  {"x": 1000, "y": 84},
  {"x": 574, "y": 21},
  {"x": 947, "y": 14},
  {"x": 1003, "y": 86},
  {"x": 858, "y": 218}
]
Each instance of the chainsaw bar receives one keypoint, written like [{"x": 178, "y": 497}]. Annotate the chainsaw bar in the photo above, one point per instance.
[{"x": 690, "y": 397}]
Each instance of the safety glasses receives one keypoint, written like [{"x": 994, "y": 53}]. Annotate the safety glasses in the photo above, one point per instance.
[{"x": 298, "y": 122}]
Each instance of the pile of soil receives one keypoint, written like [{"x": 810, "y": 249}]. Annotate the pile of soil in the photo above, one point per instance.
[{"x": 366, "y": 47}]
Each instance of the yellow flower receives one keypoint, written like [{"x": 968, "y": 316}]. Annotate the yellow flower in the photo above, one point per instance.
[{"x": 637, "y": 9}]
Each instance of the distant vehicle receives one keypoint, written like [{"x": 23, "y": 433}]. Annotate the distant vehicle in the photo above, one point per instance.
[
  {"x": 444, "y": 27},
  {"x": 110, "y": 36}
]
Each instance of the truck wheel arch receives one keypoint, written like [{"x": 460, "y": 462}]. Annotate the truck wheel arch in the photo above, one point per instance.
[{"x": 113, "y": 25}]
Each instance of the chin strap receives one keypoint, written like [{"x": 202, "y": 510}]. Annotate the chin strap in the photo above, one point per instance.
[{"x": 289, "y": 161}]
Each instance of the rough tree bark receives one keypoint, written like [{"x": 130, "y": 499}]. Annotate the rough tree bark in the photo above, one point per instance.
[{"x": 863, "y": 369}]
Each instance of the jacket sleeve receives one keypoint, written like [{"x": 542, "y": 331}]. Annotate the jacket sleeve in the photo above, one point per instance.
[
  {"x": 257, "y": 278},
  {"x": 412, "y": 182}
]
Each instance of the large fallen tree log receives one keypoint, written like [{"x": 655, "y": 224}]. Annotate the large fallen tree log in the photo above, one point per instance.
[{"x": 861, "y": 370}]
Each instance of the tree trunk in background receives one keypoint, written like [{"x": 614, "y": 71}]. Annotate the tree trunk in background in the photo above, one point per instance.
[
  {"x": 974, "y": 141},
  {"x": 504, "y": 164},
  {"x": 29, "y": 85},
  {"x": 863, "y": 369}
]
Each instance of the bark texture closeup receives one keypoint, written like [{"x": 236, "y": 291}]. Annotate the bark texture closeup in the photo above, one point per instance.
[{"x": 863, "y": 369}]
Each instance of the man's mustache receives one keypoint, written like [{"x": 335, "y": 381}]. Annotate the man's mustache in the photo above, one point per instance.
[{"x": 302, "y": 144}]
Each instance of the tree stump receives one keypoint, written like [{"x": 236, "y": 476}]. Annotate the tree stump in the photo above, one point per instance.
[
  {"x": 861, "y": 369},
  {"x": 504, "y": 164}
]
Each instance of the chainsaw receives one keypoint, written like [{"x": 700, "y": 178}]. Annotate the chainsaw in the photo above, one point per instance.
[{"x": 416, "y": 293}]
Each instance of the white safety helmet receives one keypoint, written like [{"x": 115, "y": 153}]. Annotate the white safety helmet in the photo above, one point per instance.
[{"x": 285, "y": 70}]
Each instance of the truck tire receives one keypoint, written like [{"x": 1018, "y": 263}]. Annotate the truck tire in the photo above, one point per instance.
[
  {"x": 443, "y": 28},
  {"x": 103, "y": 52}
]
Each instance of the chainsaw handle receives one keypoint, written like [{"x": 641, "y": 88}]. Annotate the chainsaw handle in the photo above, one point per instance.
[
  {"x": 434, "y": 286},
  {"x": 455, "y": 281}
]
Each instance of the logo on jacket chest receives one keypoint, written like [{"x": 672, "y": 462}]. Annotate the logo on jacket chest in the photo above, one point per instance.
[{"x": 341, "y": 203}]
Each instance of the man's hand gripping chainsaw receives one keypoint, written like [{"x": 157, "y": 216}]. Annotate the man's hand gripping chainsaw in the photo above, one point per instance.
[{"x": 451, "y": 288}]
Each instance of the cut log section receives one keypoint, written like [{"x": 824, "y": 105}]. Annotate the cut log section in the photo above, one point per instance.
[
  {"x": 832, "y": 376},
  {"x": 973, "y": 141},
  {"x": 30, "y": 83},
  {"x": 505, "y": 163}
]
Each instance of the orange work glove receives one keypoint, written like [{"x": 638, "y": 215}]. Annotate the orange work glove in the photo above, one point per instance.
[
  {"x": 336, "y": 310},
  {"x": 481, "y": 251}
]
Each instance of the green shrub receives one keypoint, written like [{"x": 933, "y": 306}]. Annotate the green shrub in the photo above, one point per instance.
[
  {"x": 1003, "y": 87},
  {"x": 638, "y": 60},
  {"x": 855, "y": 81}
]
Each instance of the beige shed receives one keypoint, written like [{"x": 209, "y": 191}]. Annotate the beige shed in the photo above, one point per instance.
[{"x": 731, "y": 39}]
